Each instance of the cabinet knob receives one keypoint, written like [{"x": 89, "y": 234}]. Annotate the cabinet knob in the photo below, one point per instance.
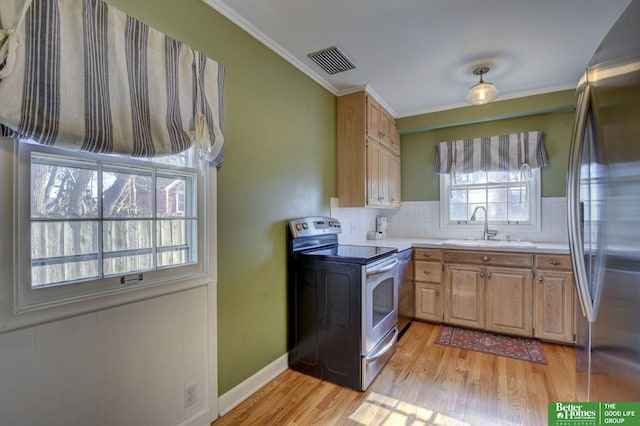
[
  {"x": 485, "y": 258},
  {"x": 540, "y": 278},
  {"x": 481, "y": 274},
  {"x": 489, "y": 275},
  {"x": 437, "y": 292},
  {"x": 554, "y": 261}
]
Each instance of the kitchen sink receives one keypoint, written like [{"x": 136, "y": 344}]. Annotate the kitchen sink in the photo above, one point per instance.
[{"x": 489, "y": 243}]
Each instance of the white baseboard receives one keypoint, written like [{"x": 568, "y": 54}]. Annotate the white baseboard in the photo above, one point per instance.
[{"x": 244, "y": 390}]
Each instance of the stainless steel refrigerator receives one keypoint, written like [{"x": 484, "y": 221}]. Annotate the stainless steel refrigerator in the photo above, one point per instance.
[{"x": 603, "y": 195}]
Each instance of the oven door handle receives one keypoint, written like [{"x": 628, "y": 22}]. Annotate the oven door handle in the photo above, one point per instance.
[
  {"x": 386, "y": 348},
  {"x": 383, "y": 268}
]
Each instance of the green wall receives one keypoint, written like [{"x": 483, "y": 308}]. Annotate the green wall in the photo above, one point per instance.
[
  {"x": 552, "y": 113},
  {"x": 280, "y": 163}
]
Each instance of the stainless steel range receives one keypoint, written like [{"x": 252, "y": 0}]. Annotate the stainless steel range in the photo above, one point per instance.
[{"x": 343, "y": 304}]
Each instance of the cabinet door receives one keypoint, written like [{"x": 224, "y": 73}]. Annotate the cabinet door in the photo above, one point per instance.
[
  {"x": 429, "y": 302},
  {"x": 395, "y": 178},
  {"x": 553, "y": 304},
  {"x": 509, "y": 304},
  {"x": 464, "y": 295},
  {"x": 387, "y": 125},
  {"x": 373, "y": 119},
  {"x": 374, "y": 198},
  {"x": 379, "y": 164}
]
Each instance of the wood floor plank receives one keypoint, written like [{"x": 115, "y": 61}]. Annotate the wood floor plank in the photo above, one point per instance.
[{"x": 424, "y": 383}]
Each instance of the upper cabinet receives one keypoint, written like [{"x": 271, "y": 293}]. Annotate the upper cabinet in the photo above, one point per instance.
[{"x": 369, "y": 169}]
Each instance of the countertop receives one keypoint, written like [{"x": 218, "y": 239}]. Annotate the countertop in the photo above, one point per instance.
[{"x": 406, "y": 243}]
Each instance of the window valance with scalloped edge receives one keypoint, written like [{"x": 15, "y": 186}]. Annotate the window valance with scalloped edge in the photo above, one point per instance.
[
  {"x": 514, "y": 152},
  {"x": 81, "y": 75}
]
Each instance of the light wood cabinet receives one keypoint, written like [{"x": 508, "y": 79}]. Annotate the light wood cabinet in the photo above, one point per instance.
[
  {"x": 369, "y": 165},
  {"x": 383, "y": 189},
  {"x": 428, "y": 284},
  {"x": 495, "y": 298},
  {"x": 509, "y": 300},
  {"x": 554, "y": 297},
  {"x": 464, "y": 295}
]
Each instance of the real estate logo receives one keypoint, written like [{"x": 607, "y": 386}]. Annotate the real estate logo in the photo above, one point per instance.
[
  {"x": 593, "y": 413},
  {"x": 569, "y": 413}
]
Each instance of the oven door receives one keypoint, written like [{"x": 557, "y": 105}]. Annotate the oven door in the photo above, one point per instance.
[{"x": 379, "y": 301}]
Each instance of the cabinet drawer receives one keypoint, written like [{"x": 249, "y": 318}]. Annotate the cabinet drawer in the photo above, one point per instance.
[
  {"x": 552, "y": 262},
  {"x": 427, "y": 254},
  {"x": 428, "y": 272},
  {"x": 521, "y": 260}
]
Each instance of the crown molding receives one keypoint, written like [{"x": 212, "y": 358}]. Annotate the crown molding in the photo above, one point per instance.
[{"x": 234, "y": 17}]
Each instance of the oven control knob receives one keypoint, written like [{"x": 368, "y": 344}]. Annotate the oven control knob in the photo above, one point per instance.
[
  {"x": 299, "y": 227},
  {"x": 305, "y": 226}
]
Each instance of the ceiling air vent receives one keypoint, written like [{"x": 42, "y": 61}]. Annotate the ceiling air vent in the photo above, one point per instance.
[{"x": 332, "y": 60}]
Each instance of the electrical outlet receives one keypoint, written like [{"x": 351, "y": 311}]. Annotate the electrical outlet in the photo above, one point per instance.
[{"x": 189, "y": 395}]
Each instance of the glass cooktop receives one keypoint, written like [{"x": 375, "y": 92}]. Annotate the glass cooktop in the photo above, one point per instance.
[{"x": 351, "y": 254}]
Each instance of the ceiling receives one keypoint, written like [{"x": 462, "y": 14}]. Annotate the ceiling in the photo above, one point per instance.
[{"x": 417, "y": 56}]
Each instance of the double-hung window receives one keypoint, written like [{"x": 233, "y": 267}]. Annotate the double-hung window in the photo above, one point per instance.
[
  {"x": 95, "y": 224},
  {"x": 508, "y": 198}
]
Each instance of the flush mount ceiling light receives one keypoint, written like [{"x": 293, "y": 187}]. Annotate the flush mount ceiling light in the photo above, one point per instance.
[{"x": 482, "y": 92}]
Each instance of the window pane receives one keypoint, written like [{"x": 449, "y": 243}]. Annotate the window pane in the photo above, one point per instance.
[
  {"x": 478, "y": 196},
  {"x": 497, "y": 194},
  {"x": 177, "y": 242},
  {"x": 127, "y": 235},
  {"x": 126, "y": 194},
  {"x": 56, "y": 239},
  {"x": 63, "y": 188},
  {"x": 459, "y": 196},
  {"x": 172, "y": 196},
  {"x": 458, "y": 212},
  {"x": 519, "y": 212},
  {"x": 497, "y": 211},
  {"x": 63, "y": 252},
  {"x": 517, "y": 194}
]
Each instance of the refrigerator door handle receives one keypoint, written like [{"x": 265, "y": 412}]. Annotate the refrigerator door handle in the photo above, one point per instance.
[{"x": 573, "y": 206}]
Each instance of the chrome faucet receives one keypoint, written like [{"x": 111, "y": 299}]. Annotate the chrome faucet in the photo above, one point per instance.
[{"x": 486, "y": 234}]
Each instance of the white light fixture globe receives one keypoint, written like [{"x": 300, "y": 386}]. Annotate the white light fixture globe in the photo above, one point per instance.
[{"x": 482, "y": 92}]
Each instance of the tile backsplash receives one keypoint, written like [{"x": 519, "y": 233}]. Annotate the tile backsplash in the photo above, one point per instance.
[{"x": 421, "y": 219}]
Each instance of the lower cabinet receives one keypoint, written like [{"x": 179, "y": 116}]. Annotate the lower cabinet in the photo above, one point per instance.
[
  {"x": 428, "y": 284},
  {"x": 497, "y": 291},
  {"x": 464, "y": 295},
  {"x": 429, "y": 302},
  {"x": 509, "y": 301},
  {"x": 554, "y": 298}
]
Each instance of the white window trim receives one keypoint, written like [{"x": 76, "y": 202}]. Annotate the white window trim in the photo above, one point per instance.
[
  {"x": 535, "y": 200},
  {"x": 15, "y": 315}
]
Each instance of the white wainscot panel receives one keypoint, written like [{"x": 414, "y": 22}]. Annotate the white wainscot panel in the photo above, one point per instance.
[
  {"x": 65, "y": 359},
  {"x": 17, "y": 383}
]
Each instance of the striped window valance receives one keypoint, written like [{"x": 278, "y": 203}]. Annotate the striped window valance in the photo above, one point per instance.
[
  {"x": 513, "y": 152},
  {"x": 81, "y": 75}
]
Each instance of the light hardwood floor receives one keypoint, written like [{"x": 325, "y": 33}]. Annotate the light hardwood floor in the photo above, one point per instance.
[{"x": 423, "y": 384}]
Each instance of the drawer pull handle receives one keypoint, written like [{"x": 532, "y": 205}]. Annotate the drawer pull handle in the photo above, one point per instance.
[
  {"x": 427, "y": 254},
  {"x": 489, "y": 275},
  {"x": 554, "y": 262},
  {"x": 427, "y": 272},
  {"x": 481, "y": 274},
  {"x": 437, "y": 292},
  {"x": 485, "y": 258}
]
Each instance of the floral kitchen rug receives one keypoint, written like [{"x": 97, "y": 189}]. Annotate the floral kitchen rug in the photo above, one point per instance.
[{"x": 496, "y": 344}]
